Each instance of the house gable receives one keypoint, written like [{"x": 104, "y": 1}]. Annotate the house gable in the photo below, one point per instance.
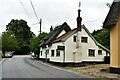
[
  {"x": 67, "y": 35},
  {"x": 62, "y": 32},
  {"x": 98, "y": 44}
]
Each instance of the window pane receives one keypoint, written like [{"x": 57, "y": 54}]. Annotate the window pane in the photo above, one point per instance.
[
  {"x": 91, "y": 53},
  {"x": 84, "y": 39},
  {"x": 57, "y": 53},
  {"x": 74, "y": 38},
  {"x": 41, "y": 53},
  {"x": 99, "y": 52},
  {"x": 52, "y": 53}
]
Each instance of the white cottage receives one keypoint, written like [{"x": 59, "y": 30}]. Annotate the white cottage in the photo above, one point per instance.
[{"x": 64, "y": 45}]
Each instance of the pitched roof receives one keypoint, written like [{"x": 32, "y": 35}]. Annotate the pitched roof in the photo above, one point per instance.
[
  {"x": 113, "y": 15},
  {"x": 65, "y": 36},
  {"x": 53, "y": 34}
]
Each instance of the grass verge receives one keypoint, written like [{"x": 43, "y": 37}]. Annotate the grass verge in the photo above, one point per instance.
[{"x": 98, "y": 71}]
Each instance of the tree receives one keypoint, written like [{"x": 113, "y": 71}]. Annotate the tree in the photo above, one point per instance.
[
  {"x": 21, "y": 31},
  {"x": 9, "y": 42},
  {"x": 103, "y": 37}
]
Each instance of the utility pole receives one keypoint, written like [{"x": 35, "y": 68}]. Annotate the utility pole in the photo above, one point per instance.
[{"x": 40, "y": 25}]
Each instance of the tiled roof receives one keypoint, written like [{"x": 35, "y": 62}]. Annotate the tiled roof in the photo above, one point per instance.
[
  {"x": 113, "y": 15},
  {"x": 53, "y": 34},
  {"x": 61, "y": 38}
]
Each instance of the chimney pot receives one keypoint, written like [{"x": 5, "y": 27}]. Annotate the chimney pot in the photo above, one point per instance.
[
  {"x": 79, "y": 19},
  {"x": 51, "y": 29}
]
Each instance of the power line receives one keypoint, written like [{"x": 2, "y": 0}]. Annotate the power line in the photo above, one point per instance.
[
  {"x": 94, "y": 20},
  {"x": 34, "y": 11},
  {"x": 24, "y": 9},
  {"x": 34, "y": 24}
]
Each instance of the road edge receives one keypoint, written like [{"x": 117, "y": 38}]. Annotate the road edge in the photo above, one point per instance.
[
  {"x": 2, "y": 60},
  {"x": 44, "y": 63}
]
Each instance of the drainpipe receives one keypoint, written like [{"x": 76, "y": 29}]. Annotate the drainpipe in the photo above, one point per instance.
[{"x": 63, "y": 54}]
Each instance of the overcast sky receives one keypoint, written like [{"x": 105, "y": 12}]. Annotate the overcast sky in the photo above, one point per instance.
[{"x": 54, "y": 12}]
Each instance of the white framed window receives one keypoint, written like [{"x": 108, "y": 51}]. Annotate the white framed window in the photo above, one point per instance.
[
  {"x": 52, "y": 53},
  {"x": 74, "y": 38},
  {"x": 99, "y": 52},
  {"x": 41, "y": 53},
  {"x": 57, "y": 53},
  {"x": 84, "y": 39},
  {"x": 91, "y": 52}
]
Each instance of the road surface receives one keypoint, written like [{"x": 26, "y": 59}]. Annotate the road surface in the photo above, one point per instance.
[{"x": 25, "y": 67}]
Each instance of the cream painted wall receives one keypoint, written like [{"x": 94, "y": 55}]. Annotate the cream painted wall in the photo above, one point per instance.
[
  {"x": 82, "y": 55},
  {"x": 63, "y": 32},
  {"x": 115, "y": 45},
  {"x": 91, "y": 45},
  {"x": 119, "y": 41},
  {"x": 71, "y": 53},
  {"x": 57, "y": 58},
  {"x": 43, "y": 53}
]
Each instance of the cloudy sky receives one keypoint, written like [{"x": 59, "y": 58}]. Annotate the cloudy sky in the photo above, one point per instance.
[{"x": 54, "y": 12}]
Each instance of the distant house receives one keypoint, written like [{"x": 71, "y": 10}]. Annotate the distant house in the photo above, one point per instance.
[
  {"x": 64, "y": 45},
  {"x": 112, "y": 22}
]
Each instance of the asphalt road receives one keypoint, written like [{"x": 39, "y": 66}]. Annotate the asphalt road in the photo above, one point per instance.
[
  {"x": 0, "y": 70},
  {"x": 25, "y": 67}
]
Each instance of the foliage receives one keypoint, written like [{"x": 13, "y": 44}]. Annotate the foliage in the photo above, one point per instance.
[
  {"x": 9, "y": 42},
  {"x": 20, "y": 30},
  {"x": 103, "y": 37},
  {"x": 35, "y": 41},
  {"x": 22, "y": 33}
]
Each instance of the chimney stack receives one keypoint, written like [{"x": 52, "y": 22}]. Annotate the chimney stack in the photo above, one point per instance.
[
  {"x": 51, "y": 29},
  {"x": 79, "y": 19}
]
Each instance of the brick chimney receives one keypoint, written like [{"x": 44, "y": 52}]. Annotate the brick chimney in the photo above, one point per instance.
[
  {"x": 51, "y": 29},
  {"x": 79, "y": 20}
]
